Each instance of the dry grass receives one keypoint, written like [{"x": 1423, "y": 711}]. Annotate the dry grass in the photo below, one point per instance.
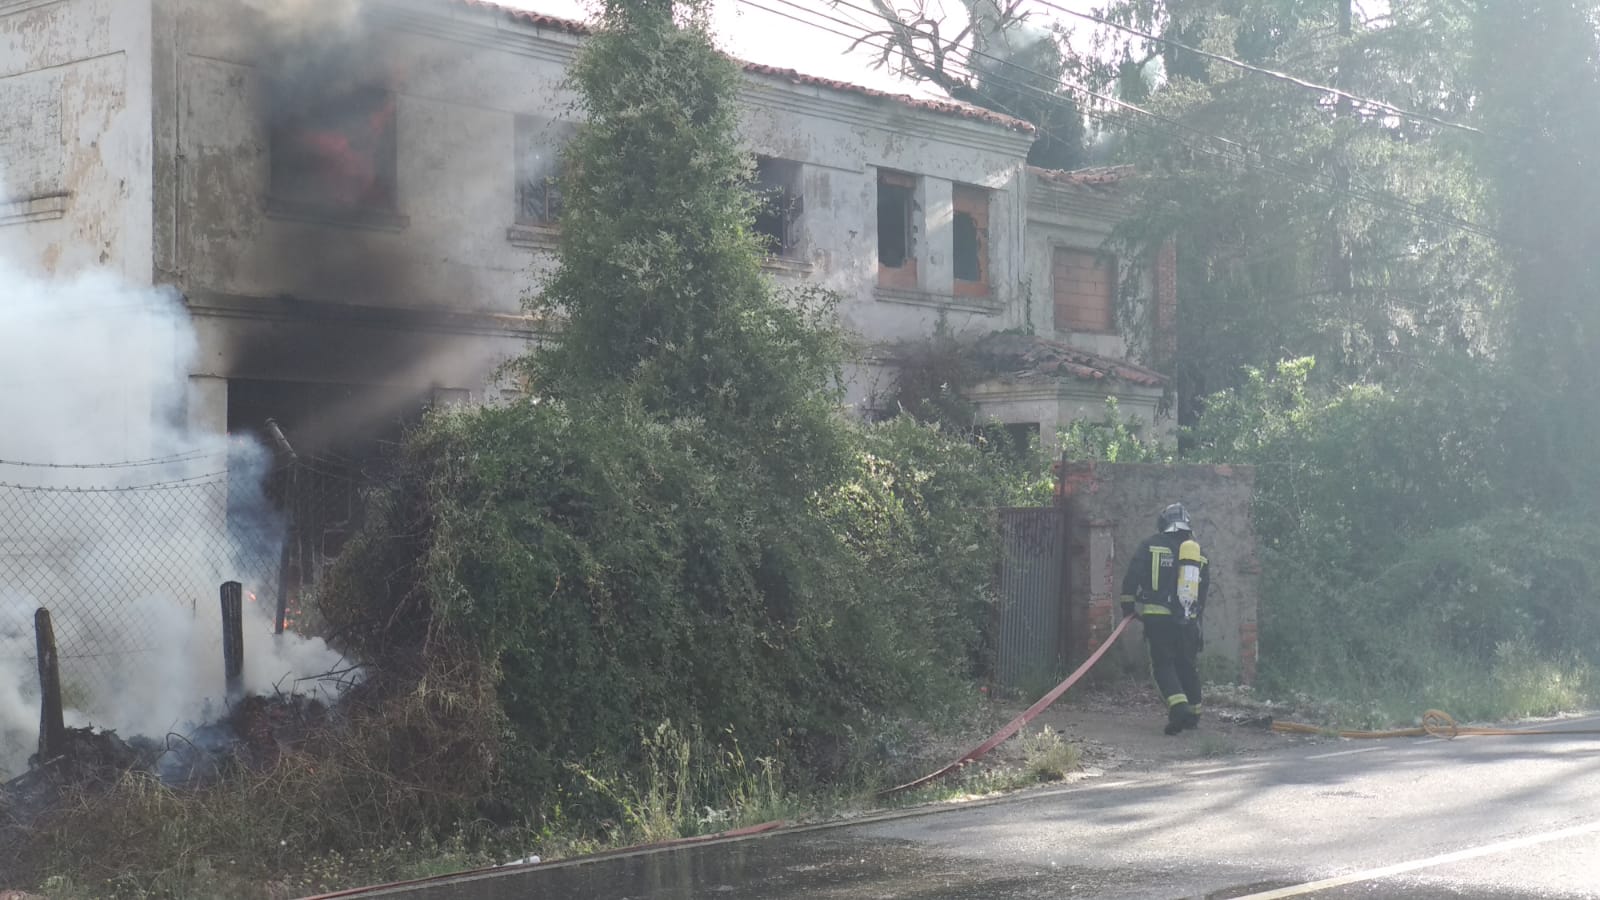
[{"x": 400, "y": 765}]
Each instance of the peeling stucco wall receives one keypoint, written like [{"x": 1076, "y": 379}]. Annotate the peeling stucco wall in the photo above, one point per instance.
[{"x": 75, "y": 135}]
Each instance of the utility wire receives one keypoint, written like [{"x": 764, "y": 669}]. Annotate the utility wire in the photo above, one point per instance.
[
  {"x": 1269, "y": 73},
  {"x": 1247, "y": 157}
]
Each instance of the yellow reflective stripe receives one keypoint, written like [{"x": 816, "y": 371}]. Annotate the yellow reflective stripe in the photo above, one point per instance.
[
  {"x": 1175, "y": 699},
  {"x": 1153, "y": 609},
  {"x": 1155, "y": 565}
]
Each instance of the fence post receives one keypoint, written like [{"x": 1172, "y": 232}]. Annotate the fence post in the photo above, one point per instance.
[
  {"x": 233, "y": 637},
  {"x": 292, "y": 501},
  {"x": 52, "y": 723}
]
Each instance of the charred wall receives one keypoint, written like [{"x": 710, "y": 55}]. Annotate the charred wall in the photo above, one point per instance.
[{"x": 335, "y": 193}]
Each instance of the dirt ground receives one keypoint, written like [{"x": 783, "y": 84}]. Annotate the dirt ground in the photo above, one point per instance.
[
  {"x": 1120, "y": 724},
  {"x": 1117, "y": 725}
]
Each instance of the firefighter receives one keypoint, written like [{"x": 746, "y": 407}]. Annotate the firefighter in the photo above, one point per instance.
[{"x": 1165, "y": 588}]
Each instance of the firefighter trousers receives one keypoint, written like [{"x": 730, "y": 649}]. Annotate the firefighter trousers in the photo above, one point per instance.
[{"x": 1174, "y": 646}]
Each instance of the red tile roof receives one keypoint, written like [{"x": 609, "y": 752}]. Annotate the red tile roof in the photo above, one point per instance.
[
  {"x": 1098, "y": 176},
  {"x": 939, "y": 107},
  {"x": 1027, "y": 356},
  {"x": 538, "y": 20}
]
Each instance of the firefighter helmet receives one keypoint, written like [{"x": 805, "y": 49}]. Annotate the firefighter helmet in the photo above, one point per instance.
[{"x": 1173, "y": 518}]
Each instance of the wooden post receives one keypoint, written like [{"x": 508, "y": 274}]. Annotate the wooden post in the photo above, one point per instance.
[
  {"x": 52, "y": 723},
  {"x": 291, "y": 536},
  {"x": 233, "y": 637}
]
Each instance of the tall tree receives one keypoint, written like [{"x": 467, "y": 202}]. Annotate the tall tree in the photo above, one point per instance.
[
  {"x": 1307, "y": 224},
  {"x": 1537, "y": 67},
  {"x": 998, "y": 59}
]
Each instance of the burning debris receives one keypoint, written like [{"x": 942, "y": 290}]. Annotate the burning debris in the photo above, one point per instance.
[{"x": 253, "y": 736}]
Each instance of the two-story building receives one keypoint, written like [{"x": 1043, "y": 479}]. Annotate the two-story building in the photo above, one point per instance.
[{"x": 353, "y": 201}]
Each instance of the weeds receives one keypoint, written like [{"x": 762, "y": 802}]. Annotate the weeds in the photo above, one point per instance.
[{"x": 1047, "y": 757}]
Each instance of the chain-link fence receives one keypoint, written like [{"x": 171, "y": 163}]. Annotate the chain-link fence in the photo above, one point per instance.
[{"x": 129, "y": 559}]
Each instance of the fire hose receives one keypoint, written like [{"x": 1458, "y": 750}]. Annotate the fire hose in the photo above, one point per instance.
[
  {"x": 1435, "y": 723},
  {"x": 1015, "y": 725}
]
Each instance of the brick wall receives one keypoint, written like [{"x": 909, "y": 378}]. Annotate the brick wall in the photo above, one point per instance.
[
  {"x": 1111, "y": 507},
  {"x": 1083, "y": 285},
  {"x": 1166, "y": 311}
]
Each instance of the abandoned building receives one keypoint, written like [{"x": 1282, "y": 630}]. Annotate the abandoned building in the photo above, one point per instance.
[{"x": 354, "y": 209}]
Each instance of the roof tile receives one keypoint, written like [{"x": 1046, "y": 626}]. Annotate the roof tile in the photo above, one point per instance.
[
  {"x": 939, "y": 107},
  {"x": 1024, "y": 356}
]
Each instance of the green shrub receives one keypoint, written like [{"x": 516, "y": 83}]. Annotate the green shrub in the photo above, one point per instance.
[{"x": 1398, "y": 552}]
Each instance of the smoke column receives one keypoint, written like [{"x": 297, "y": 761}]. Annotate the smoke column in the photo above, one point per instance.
[{"x": 120, "y": 519}]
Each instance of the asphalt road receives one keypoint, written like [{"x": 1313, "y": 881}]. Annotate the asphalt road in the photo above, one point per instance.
[{"x": 1482, "y": 817}]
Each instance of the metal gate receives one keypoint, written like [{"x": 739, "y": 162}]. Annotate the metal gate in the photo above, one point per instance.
[{"x": 1031, "y": 622}]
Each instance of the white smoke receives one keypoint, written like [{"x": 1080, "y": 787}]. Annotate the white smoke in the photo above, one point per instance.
[{"x": 121, "y": 519}]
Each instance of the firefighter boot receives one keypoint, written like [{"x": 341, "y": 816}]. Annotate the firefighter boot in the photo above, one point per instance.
[{"x": 1179, "y": 717}]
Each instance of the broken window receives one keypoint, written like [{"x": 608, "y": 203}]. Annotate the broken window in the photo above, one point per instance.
[
  {"x": 339, "y": 153},
  {"x": 539, "y": 148},
  {"x": 780, "y": 203},
  {"x": 1085, "y": 287},
  {"x": 970, "y": 240},
  {"x": 897, "y": 263}
]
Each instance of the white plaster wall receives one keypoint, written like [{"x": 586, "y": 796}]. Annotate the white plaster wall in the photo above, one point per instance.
[{"x": 75, "y": 136}]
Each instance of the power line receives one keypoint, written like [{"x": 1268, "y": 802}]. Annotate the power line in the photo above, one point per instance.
[
  {"x": 1269, "y": 73},
  {"x": 1261, "y": 161}
]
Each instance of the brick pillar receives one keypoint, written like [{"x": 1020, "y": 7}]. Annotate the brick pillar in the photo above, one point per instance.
[
  {"x": 1074, "y": 479},
  {"x": 1100, "y": 613},
  {"x": 1165, "y": 332}
]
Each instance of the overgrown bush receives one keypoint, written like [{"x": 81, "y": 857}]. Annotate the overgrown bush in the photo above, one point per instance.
[
  {"x": 1402, "y": 565},
  {"x": 613, "y": 569}
]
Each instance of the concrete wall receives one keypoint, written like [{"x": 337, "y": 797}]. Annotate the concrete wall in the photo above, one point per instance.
[
  {"x": 1112, "y": 507},
  {"x": 1054, "y": 406},
  {"x": 75, "y": 142}
]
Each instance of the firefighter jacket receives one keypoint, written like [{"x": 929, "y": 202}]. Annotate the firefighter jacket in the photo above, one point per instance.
[{"x": 1167, "y": 576}]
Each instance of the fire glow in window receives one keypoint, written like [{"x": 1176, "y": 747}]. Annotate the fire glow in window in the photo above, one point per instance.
[{"x": 340, "y": 154}]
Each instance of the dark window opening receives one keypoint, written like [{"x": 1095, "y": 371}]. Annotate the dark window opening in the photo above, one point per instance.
[
  {"x": 780, "y": 203},
  {"x": 894, "y": 222},
  {"x": 338, "y": 154},
  {"x": 1017, "y": 440},
  {"x": 539, "y": 149},
  {"x": 966, "y": 249},
  {"x": 970, "y": 240}
]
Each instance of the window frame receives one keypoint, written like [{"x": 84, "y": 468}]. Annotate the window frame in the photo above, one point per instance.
[
  {"x": 788, "y": 183},
  {"x": 975, "y": 203},
  {"x": 905, "y": 274},
  {"x": 532, "y": 133},
  {"x": 290, "y": 189}
]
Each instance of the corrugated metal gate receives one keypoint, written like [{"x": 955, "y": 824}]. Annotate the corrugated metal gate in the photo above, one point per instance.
[{"x": 1031, "y": 622}]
